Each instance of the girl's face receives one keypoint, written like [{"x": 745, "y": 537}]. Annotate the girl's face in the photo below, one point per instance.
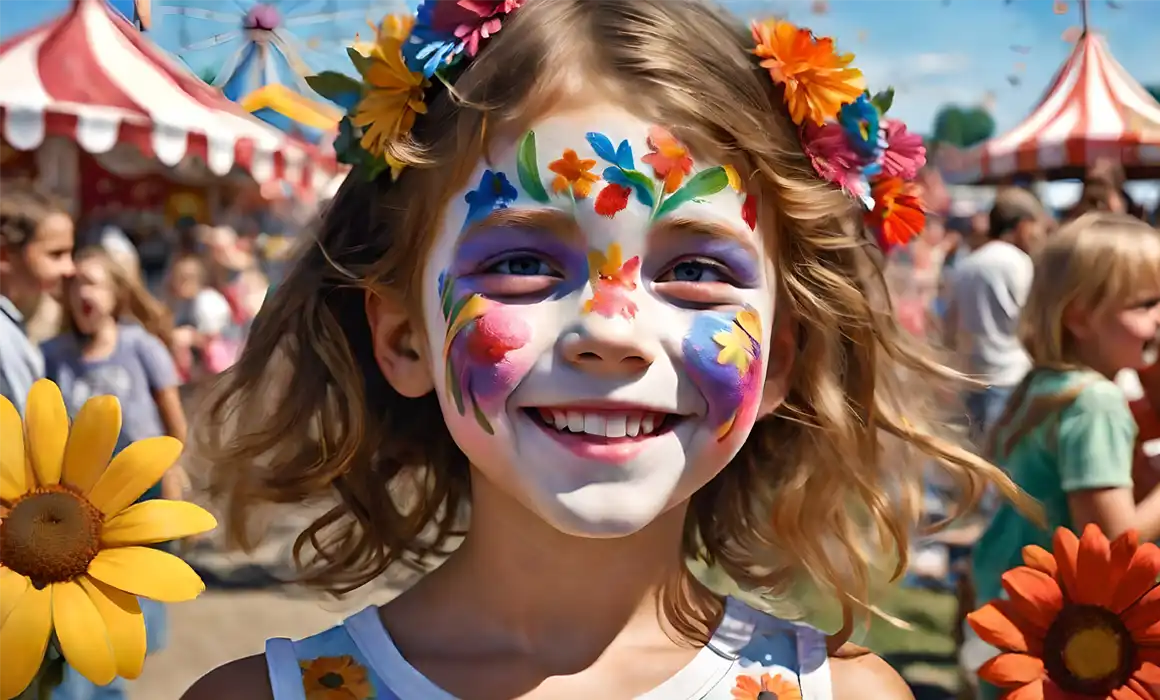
[
  {"x": 1120, "y": 337},
  {"x": 92, "y": 295},
  {"x": 600, "y": 307},
  {"x": 186, "y": 279}
]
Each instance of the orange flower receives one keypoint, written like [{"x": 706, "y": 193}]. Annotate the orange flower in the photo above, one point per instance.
[
  {"x": 898, "y": 213},
  {"x": 335, "y": 678},
  {"x": 750, "y": 688},
  {"x": 1084, "y": 622},
  {"x": 817, "y": 80},
  {"x": 573, "y": 172},
  {"x": 670, "y": 160}
]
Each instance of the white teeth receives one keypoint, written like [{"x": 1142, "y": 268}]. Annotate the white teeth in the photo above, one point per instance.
[
  {"x": 617, "y": 426},
  {"x": 647, "y": 424},
  {"x": 632, "y": 425},
  {"x": 603, "y": 423}
]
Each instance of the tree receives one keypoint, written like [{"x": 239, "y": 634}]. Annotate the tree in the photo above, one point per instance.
[{"x": 962, "y": 127}]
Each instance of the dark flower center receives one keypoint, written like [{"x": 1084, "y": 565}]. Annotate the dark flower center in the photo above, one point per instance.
[
  {"x": 331, "y": 680},
  {"x": 1088, "y": 650},
  {"x": 767, "y": 695},
  {"x": 50, "y": 535}
]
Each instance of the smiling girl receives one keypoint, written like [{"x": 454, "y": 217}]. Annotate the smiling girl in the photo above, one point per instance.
[{"x": 611, "y": 317}]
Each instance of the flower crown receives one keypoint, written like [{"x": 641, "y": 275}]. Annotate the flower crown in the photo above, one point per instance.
[{"x": 844, "y": 130}]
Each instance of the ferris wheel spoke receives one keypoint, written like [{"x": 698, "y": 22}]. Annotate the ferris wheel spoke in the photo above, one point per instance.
[
  {"x": 215, "y": 40},
  {"x": 199, "y": 13},
  {"x": 324, "y": 17}
]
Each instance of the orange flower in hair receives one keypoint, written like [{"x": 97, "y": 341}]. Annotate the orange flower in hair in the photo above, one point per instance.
[
  {"x": 817, "y": 80},
  {"x": 898, "y": 213}
]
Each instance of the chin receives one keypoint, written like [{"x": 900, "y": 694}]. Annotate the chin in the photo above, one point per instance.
[{"x": 601, "y": 511}]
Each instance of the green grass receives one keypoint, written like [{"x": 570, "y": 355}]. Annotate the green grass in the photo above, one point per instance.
[{"x": 924, "y": 654}]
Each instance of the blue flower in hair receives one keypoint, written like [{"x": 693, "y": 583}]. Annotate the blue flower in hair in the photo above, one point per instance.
[
  {"x": 432, "y": 42},
  {"x": 860, "y": 120}
]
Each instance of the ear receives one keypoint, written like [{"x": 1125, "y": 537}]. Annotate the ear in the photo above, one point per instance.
[
  {"x": 782, "y": 352},
  {"x": 1077, "y": 321},
  {"x": 400, "y": 347}
]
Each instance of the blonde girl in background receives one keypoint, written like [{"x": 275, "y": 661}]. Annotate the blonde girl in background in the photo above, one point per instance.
[
  {"x": 1067, "y": 436},
  {"x": 610, "y": 317},
  {"x": 116, "y": 342}
]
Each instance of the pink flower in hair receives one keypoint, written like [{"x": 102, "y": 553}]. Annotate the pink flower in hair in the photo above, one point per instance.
[
  {"x": 481, "y": 19},
  {"x": 905, "y": 155},
  {"x": 834, "y": 158}
]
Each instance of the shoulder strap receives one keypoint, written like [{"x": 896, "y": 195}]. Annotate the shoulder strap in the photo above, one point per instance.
[
  {"x": 813, "y": 664},
  {"x": 285, "y": 674}
]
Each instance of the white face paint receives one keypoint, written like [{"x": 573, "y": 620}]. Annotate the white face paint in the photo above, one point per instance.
[{"x": 598, "y": 320}]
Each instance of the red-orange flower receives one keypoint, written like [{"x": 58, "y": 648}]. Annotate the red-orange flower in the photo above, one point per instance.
[
  {"x": 898, "y": 213},
  {"x": 573, "y": 172},
  {"x": 750, "y": 688},
  {"x": 817, "y": 80},
  {"x": 1082, "y": 623},
  {"x": 670, "y": 160}
]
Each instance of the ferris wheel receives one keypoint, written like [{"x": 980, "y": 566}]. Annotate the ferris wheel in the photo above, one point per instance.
[{"x": 270, "y": 41}]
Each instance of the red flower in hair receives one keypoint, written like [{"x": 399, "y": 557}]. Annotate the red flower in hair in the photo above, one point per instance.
[{"x": 898, "y": 214}]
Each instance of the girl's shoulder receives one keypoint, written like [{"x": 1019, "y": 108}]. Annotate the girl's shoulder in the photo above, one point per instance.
[{"x": 750, "y": 654}]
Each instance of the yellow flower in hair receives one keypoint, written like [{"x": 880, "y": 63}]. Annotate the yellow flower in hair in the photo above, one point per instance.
[
  {"x": 74, "y": 551},
  {"x": 817, "y": 80},
  {"x": 394, "y": 96}
]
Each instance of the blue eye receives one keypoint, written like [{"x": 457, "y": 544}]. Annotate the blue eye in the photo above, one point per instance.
[
  {"x": 697, "y": 271},
  {"x": 522, "y": 265}
]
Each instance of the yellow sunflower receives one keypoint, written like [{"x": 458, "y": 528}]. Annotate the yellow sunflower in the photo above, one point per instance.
[
  {"x": 72, "y": 559},
  {"x": 393, "y": 98}
]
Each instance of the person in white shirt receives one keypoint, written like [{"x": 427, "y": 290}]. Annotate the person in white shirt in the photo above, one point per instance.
[{"x": 987, "y": 293}]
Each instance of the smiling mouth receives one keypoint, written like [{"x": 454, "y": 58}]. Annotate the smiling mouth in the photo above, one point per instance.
[{"x": 604, "y": 425}]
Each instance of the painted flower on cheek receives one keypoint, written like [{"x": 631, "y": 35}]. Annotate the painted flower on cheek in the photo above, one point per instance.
[
  {"x": 612, "y": 279},
  {"x": 723, "y": 352},
  {"x": 573, "y": 173},
  {"x": 670, "y": 160}
]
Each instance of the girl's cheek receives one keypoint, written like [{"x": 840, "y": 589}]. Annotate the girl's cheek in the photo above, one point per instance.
[
  {"x": 493, "y": 348},
  {"x": 723, "y": 355}
]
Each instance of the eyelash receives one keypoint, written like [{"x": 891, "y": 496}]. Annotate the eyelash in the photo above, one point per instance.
[
  {"x": 490, "y": 267},
  {"x": 718, "y": 268}
]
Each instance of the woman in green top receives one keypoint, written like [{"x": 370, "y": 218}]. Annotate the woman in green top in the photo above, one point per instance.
[{"x": 1067, "y": 436}]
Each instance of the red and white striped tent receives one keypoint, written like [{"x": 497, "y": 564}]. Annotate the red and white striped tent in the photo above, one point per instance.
[
  {"x": 1093, "y": 110},
  {"x": 92, "y": 77}
]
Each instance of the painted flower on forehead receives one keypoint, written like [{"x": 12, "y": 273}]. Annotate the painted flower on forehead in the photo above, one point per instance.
[
  {"x": 905, "y": 154},
  {"x": 817, "y": 80},
  {"x": 1083, "y": 622},
  {"x": 393, "y": 97},
  {"x": 860, "y": 119},
  {"x": 493, "y": 192},
  {"x": 670, "y": 160},
  {"x": 446, "y": 29},
  {"x": 898, "y": 213},
  {"x": 573, "y": 174}
]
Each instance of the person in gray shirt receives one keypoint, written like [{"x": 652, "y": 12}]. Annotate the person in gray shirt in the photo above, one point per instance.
[{"x": 36, "y": 245}]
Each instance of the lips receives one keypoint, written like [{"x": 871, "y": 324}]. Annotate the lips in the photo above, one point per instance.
[{"x": 613, "y": 435}]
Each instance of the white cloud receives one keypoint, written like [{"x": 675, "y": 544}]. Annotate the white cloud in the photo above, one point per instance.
[{"x": 936, "y": 64}]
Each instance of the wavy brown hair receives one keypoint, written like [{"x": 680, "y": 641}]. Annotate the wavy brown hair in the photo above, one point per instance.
[
  {"x": 133, "y": 300},
  {"x": 306, "y": 412}
]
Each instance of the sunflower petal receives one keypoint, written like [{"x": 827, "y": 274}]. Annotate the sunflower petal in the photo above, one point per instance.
[
  {"x": 122, "y": 616},
  {"x": 1040, "y": 559},
  {"x": 83, "y": 638},
  {"x": 995, "y": 623},
  {"x": 1139, "y": 578},
  {"x": 1091, "y": 568},
  {"x": 13, "y": 475},
  {"x": 1130, "y": 691},
  {"x": 156, "y": 521},
  {"x": 1148, "y": 678},
  {"x": 1035, "y": 595},
  {"x": 1143, "y": 618},
  {"x": 1009, "y": 670},
  {"x": 1066, "y": 548},
  {"x": 12, "y": 589},
  {"x": 1032, "y": 691},
  {"x": 147, "y": 572},
  {"x": 46, "y": 420},
  {"x": 91, "y": 442},
  {"x": 24, "y": 639},
  {"x": 132, "y": 472}
]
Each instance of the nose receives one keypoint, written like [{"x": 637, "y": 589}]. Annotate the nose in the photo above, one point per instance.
[{"x": 606, "y": 354}]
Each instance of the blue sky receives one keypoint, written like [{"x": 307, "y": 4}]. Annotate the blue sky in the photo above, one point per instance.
[{"x": 933, "y": 51}]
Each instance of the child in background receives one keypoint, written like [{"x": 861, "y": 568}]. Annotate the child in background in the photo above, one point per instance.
[
  {"x": 609, "y": 319},
  {"x": 115, "y": 342},
  {"x": 205, "y": 339},
  {"x": 1067, "y": 435}
]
